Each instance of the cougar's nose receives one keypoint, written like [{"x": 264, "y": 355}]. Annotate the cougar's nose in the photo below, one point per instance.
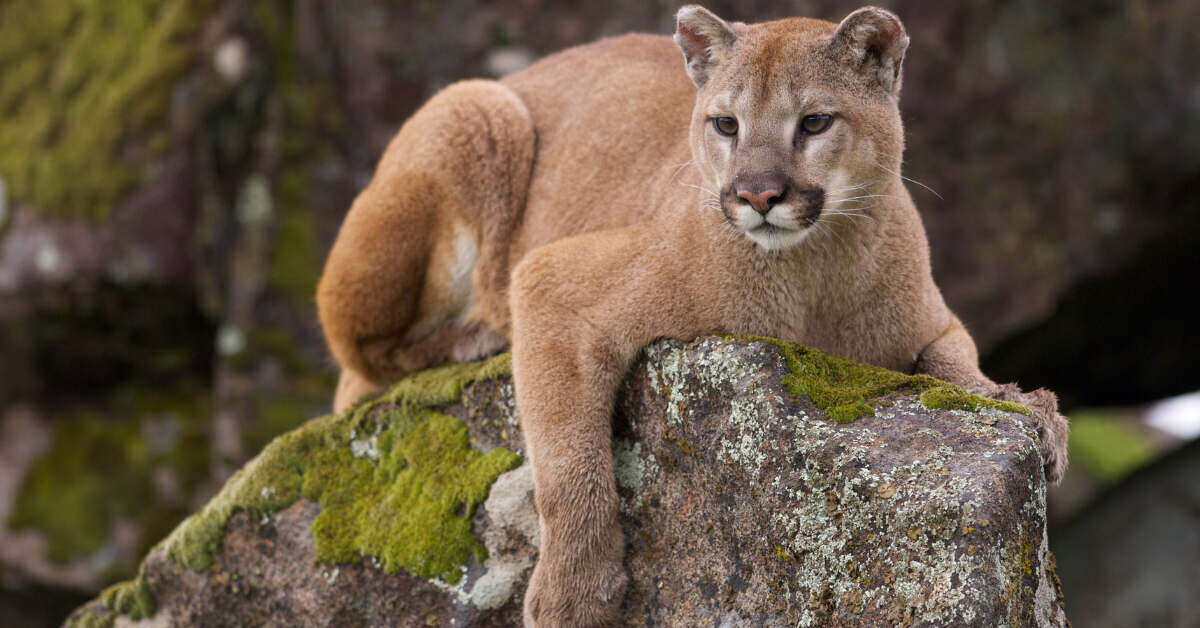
[
  {"x": 763, "y": 201},
  {"x": 761, "y": 193}
]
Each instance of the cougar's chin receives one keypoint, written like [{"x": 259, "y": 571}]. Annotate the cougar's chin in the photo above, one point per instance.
[{"x": 775, "y": 238}]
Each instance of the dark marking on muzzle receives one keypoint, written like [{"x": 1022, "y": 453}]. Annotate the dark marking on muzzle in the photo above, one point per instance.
[{"x": 809, "y": 203}]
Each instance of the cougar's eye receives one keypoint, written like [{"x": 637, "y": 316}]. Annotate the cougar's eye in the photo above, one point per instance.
[
  {"x": 725, "y": 126},
  {"x": 817, "y": 123}
]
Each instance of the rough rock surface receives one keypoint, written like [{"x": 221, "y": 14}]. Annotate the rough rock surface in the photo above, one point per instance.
[
  {"x": 742, "y": 506},
  {"x": 769, "y": 513}
]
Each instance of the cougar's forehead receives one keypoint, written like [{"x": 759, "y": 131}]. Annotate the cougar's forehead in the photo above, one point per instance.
[{"x": 774, "y": 65}]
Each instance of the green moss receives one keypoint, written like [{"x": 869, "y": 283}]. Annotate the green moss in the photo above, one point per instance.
[
  {"x": 842, "y": 388},
  {"x": 1106, "y": 445},
  {"x": 949, "y": 397},
  {"x": 407, "y": 499},
  {"x": 83, "y": 81},
  {"x": 99, "y": 470},
  {"x": 443, "y": 384},
  {"x": 92, "y": 617},
  {"x": 132, "y": 598},
  {"x": 849, "y": 412},
  {"x": 413, "y": 509}
]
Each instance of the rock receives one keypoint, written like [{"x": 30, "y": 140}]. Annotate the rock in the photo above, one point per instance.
[
  {"x": 1130, "y": 558},
  {"x": 770, "y": 513},
  {"x": 742, "y": 505}
]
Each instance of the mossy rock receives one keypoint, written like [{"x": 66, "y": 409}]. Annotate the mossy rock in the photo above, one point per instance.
[
  {"x": 843, "y": 389},
  {"x": 725, "y": 474},
  {"x": 387, "y": 474},
  {"x": 396, "y": 480}
]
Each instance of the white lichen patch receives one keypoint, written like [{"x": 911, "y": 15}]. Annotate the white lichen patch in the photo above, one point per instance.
[
  {"x": 751, "y": 416},
  {"x": 633, "y": 468},
  {"x": 366, "y": 446},
  {"x": 510, "y": 504},
  {"x": 498, "y": 584},
  {"x": 507, "y": 404},
  {"x": 671, "y": 383},
  {"x": 460, "y": 591},
  {"x": 330, "y": 576},
  {"x": 1045, "y": 609},
  {"x": 715, "y": 366},
  {"x": 511, "y": 515}
]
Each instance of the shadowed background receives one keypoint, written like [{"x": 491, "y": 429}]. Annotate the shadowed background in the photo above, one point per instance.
[{"x": 172, "y": 173}]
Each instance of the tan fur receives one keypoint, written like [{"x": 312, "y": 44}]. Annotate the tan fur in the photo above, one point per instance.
[{"x": 619, "y": 222}]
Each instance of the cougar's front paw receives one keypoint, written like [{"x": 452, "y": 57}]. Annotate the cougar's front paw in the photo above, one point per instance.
[
  {"x": 587, "y": 596},
  {"x": 1053, "y": 430},
  {"x": 1052, "y": 427}
]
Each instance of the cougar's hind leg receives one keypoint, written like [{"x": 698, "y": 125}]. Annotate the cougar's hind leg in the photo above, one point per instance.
[
  {"x": 409, "y": 281},
  {"x": 463, "y": 314}
]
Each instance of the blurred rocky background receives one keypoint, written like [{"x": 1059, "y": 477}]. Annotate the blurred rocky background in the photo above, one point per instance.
[{"x": 172, "y": 173}]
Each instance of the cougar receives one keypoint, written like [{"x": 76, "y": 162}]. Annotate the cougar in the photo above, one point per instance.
[{"x": 610, "y": 195}]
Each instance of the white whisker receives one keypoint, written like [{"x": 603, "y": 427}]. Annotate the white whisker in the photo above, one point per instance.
[
  {"x": 890, "y": 171},
  {"x": 855, "y": 198},
  {"x": 701, "y": 188},
  {"x": 850, "y": 215},
  {"x": 824, "y": 224},
  {"x": 679, "y": 168},
  {"x": 851, "y": 188}
]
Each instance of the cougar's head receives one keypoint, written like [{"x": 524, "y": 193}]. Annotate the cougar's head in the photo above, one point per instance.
[{"x": 795, "y": 120}]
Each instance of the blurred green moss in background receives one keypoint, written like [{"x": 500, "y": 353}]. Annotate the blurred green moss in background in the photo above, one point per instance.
[{"x": 82, "y": 82}]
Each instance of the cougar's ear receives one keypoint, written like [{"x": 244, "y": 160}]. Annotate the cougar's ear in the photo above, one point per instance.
[
  {"x": 873, "y": 42},
  {"x": 705, "y": 40}
]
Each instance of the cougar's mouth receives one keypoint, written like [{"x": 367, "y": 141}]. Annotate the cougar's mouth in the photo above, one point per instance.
[
  {"x": 767, "y": 228},
  {"x": 773, "y": 237},
  {"x": 787, "y": 219}
]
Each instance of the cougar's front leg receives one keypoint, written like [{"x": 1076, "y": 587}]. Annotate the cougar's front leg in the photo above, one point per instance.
[
  {"x": 952, "y": 357},
  {"x": 566, "y": 376},
  {"x": 581, "y": 310}
]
